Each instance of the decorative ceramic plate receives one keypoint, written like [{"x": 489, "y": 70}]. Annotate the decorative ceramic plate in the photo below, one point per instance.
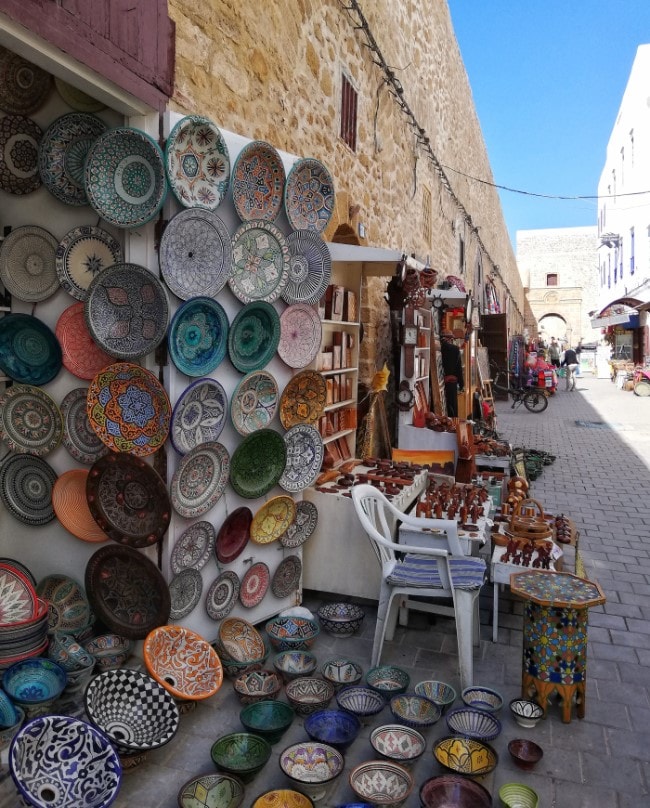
[
  {"x": 309, "y": 195},
  {"x": 124, "y": 177},
  {"x": 81, "y": 255},
  {"x": 310, "y": 268},
  {"x": 129, "y": 409},
  {"x": 300, "y": 335},
  {"x": 71, "y": 506},
  {"x": 254, "y": 336},
  {"x": 222, "y": 595},
  {"x": 81, "y": 354},
  {"x": 30, "y": 420},
  {"x": 29, "y": 351},
  {"x": 304, "y": 457},
  {"x": 19, "y": 139},
  {"x": 27, "y": 266},
  {"x": 197, "y": 163},
  {"x": 26, "y": 485},
  {"x": 254, "y": 402},
  {"x": 303, "y": 399},
  {"x": 185, "y": 592},
  {"x": 198, "y": 336},
  {"x": 254, "y": 585},
  {"x": 233, "y": 535},
  {"x": 272, "y": 519},
  {"x": 258, "y": 182},
  {"x": 200, "y": 479},
  {"x": 24, "y": 85},
  {"x": 257, "y": 463},
  {"x": 193, "y": 548},
  {"x": 76, "y": 98},
  {"x": 199, "y": 415},
  {"x": 17, "y": 597},
  {"x": 195, "y": 254},
  {"x": 302, "y": 526},
  {"x": 128, "y": 499},
  {"x": 260, "y": 262},
  {"x": 286, "y": 578},
  {"x": 127, "y": 311},
  {"x": 126, "y": 591},
  {"x": 62, "y": 154},
  {"x": 78, "y": 436}
]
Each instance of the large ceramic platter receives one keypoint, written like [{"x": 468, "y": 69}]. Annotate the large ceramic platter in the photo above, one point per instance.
[
  {"x": 222, "y": 595},
  {"x": 260, "y": 262},
  {"x": 27, "y": 264},
  {"x": 193, "y": 548},
  {"x": 81, "y": 354},
  {"x": 200, "y": 479},
  {"x": 71, "y": 506},
  {"x": 198, "y": 336},
  {"x": 24, "y": 86},
  {"x": 62, "y": 154},
  {"x": 197, "y": 163},
  {"x": 124, "y": 177},
  {"x": 81, "y": 255},
  {"x": 126, "y": 591},
  {"x": 185, "y": 592},
  {"x": 19, "y": 139},
  {"x": 79, "y": 438},
  {"x": 195, "y": 254},
  {"x": 233, "y": 535},
  {"x": 286, "y": 578},
  {"x": 26, "y": 483},
  {"x": 127, "y": 311},
  {"x": 199, "y": 415},
  {"x": 310, "y": 268},
  {"x": 303, "y": 399},
  {"x": 254, "y": 336},
  {"x": 77, "y": 99},
  {"x": 18, "y": 599},
  {"x": 300, "y": 335},
  {"x": 29, "y": 351},
  {"x": 128, "y": 499},
  {"x": 257, "y": 463},
  {"x": 128, "y": 408},
  {"x": 272, "y": 519},
  {"x": 30, "y": 420},
  {"x": 254, "y": 585},
  {"x": 258, "y": 179},
  {"x": 254, "y": 402},
  {"x": 302, "y": 526},
  {"x": 309, "y": 195},
  {"x": 304, "y": 457}
]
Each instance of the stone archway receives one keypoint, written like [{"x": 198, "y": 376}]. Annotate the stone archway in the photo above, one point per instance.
[{"x": 554, "y": 325}]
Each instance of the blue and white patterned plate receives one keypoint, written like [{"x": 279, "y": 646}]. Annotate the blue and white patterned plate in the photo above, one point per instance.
[
  {"x": 198, "y": 336},
  {"x": 309, "y": 195},
  {"x": 304, "y": 457},
  {"x": 310, "y": 267},
  {"x": 81, "y": 255},
  {"x": 199, "y": 415},
  {"x": 260, "y": 262},
  {"x": 193, "y": 548},
  {"x": 200, "y": 479}
]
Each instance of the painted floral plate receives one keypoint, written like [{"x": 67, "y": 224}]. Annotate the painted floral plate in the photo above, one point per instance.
[
  {"x": 28, "y": 265},
  {"x": 254, "y": 402},
  {"x": 303, "y": 399},
  {"x": 198, "y": 336},
  {"x": 82, "y": 356},
  {"x": 310, "y": 268},
  {"x": 309, "y": 195},
  {"x": 258, "y": 179},
  {"x": 304, "y": 457},
  {"x": 233, "y": 535},
  {"x": 199, "y": 415},
  {"x": 254, "y": 336},
  {"x": 257, "y": 463},
  {"x": 200, "y": 479},
  {"x": 222, "y": 595},
  {"x": 254, "y": 585},
  {"x": 272, "y": 519},
  {"x": 302, "y": 526},
  {"x": 193, "y": 548},
  {"x": 300, "y": 335},
  {"x": 260, "y": 262},
  {"x": 81, "y": 255},
  {"x": 79, "y": 438},
  {"x": 30, "y": 420}
]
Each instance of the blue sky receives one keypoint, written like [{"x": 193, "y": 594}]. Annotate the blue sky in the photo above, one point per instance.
[{"x": 548, "y": 78}]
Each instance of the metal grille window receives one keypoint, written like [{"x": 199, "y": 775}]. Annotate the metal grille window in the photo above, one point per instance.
[
  {"x": 426, "y": 215},
  {"x": 348, "y": 113}
]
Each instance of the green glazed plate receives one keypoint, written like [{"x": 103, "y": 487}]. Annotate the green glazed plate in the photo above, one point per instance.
[
  {"x": 258, "y": 463},
  {"x": 254, "y": 336}
]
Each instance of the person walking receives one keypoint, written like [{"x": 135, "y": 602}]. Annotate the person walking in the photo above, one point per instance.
[
  {"x": 570, "y": 362},
  {"x": 554, "y": 352},
  {"x": 452, "y": 366}
]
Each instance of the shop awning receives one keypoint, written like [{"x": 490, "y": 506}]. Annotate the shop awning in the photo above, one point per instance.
[
  {"x": 376, "y": 260},
  {"x": 625, "y": 319}
]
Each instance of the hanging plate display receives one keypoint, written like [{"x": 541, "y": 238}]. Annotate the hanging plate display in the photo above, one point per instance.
[
  {"x": 127, "y": 311},
  {"x": 62, "y": 154},
  {"x": 254, "y": 402},
  {"x": 310, "y": 268},
  {"x": 257, "y": 463},
  {"x": 272, "y": 519},
  {"x": 300, "y": 335},
  {"x": 303, "y": 399},
  {"x": 71, "y": 506},
  {"x": 193, "y": 548},
  {"x": 30, "y": 420},
  {"x": 79, "y": 438},
  {"x": 286, "y": 578},
  {"x": 199, "y": 415},
  {"x": 18, "y": 598},
  {"x": 304, "y": 457},
  {"x": 185, "y": 592},
  {"x": 19, "y": 139},
  {"x": 27, "y": 264},
  {"x": 81, "y": 354},
  {"x": 128, "y": 500},
  {"x": 200, "y": 479},
  {"x": 222, "y": 595},
  {"x": 302, "y": 526},
  {"x": 254, "y": 336},
  {"x": 29, "y": 351},
  {"x": 124, "y": 177},
  {"x": 81, "y": 255},
  {"x": 254, "y": 585},
  {"x": 309, "y": 195},
  {"x": 233, "y": 535},
  {"x": 198, "y": 336},
  {"x": 128, "y": 408},
  {"x": 195, "y": 254},
  {"x": 26, "y": 483},
  {"x": 258, "y": 182},
  {"x": 76, "y": 98},
  {"x": 23, "y": 85},
  {"x": 260, "y": 262}
]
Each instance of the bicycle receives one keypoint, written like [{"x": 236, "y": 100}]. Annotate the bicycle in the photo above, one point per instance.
[{"x": 533, "y": 399}]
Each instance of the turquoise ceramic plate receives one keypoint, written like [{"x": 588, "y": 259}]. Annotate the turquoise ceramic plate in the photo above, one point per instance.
[
  {"x": 29, "y": 351},
  {"x": 198, "y": 336},
  {"x": 254, "y": 336}
]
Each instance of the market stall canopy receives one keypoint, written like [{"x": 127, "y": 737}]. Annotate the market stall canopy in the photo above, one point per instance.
[{"x": 617, "y": 314}]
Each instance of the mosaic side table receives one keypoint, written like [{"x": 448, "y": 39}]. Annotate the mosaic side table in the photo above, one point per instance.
[{"x": 555, "y": 635}]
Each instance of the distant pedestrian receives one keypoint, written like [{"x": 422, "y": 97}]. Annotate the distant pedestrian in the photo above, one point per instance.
[
  {"x": 452, "y": 366},
  {"x": 570, "y": 362},
  {"x": 554, "y": 353}
]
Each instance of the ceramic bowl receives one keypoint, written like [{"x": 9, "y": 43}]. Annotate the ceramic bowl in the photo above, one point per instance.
[
  {"x": 360, "y": 701},
  {"x": 292, "y": 664},
  {"x": 79, "y": 678},
  {"x": 439, "y": 693},
  {"x": 312, "y": 767},
  {"x": 257, "y": 686},
  {"x": 341, "y": 672},
  {"x": 241, "y": 754},
  {"x": 240, "y": 641},
  {"x": 34, "y": 684},
  {"x": 518, "y": 795},
  {"x": 473, "y": 723},
  {"x": 67, "y": 652},
  {"x": 283, "y": 798},
  {"x": 526, "y": 713},
  {"x": 8, "y": 712},
  {"x": 268, "y": 719},
  {"x": 232, "y": 668},
  {"x": 7, "y": 733},
  {"x": 482, "y": 698},
  {"x": 381, "y": 783},
  {"x": 68, "y": 607},
  {"x": 465, "y": 755},
  {"x": 308, "y": 694},
  {"x": 388, "y": 680},
  {"x": 211, "y": 791},
  {"x": 109, "y": 650},
  {"x": 336, "y": 728},
  {"x": 341, "y": 619},
  {"x": 452, "y": 789},
  {"x": 526, "y": 754},
  {"x": 183, "y": 663},
  {"x": 397, "y": 743},
  {"x": 414, "y": 711},
  {"x": 291, "y": 633}
]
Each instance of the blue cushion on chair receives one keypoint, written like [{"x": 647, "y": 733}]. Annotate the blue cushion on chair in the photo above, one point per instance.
[
  {"x": 467, "y": 573},
  {"x": 423, "y": 571}
]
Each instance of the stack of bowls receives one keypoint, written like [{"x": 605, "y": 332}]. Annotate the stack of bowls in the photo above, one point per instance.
[
  {"x": 23, "y": 615},
  {"x": 68, "y": 605},
  {"x": 109, "y": 651},
  {"x": 240, "y": 647}
]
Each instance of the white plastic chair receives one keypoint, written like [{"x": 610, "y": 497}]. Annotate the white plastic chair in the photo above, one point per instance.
[{"x": 423, "y": 572}]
